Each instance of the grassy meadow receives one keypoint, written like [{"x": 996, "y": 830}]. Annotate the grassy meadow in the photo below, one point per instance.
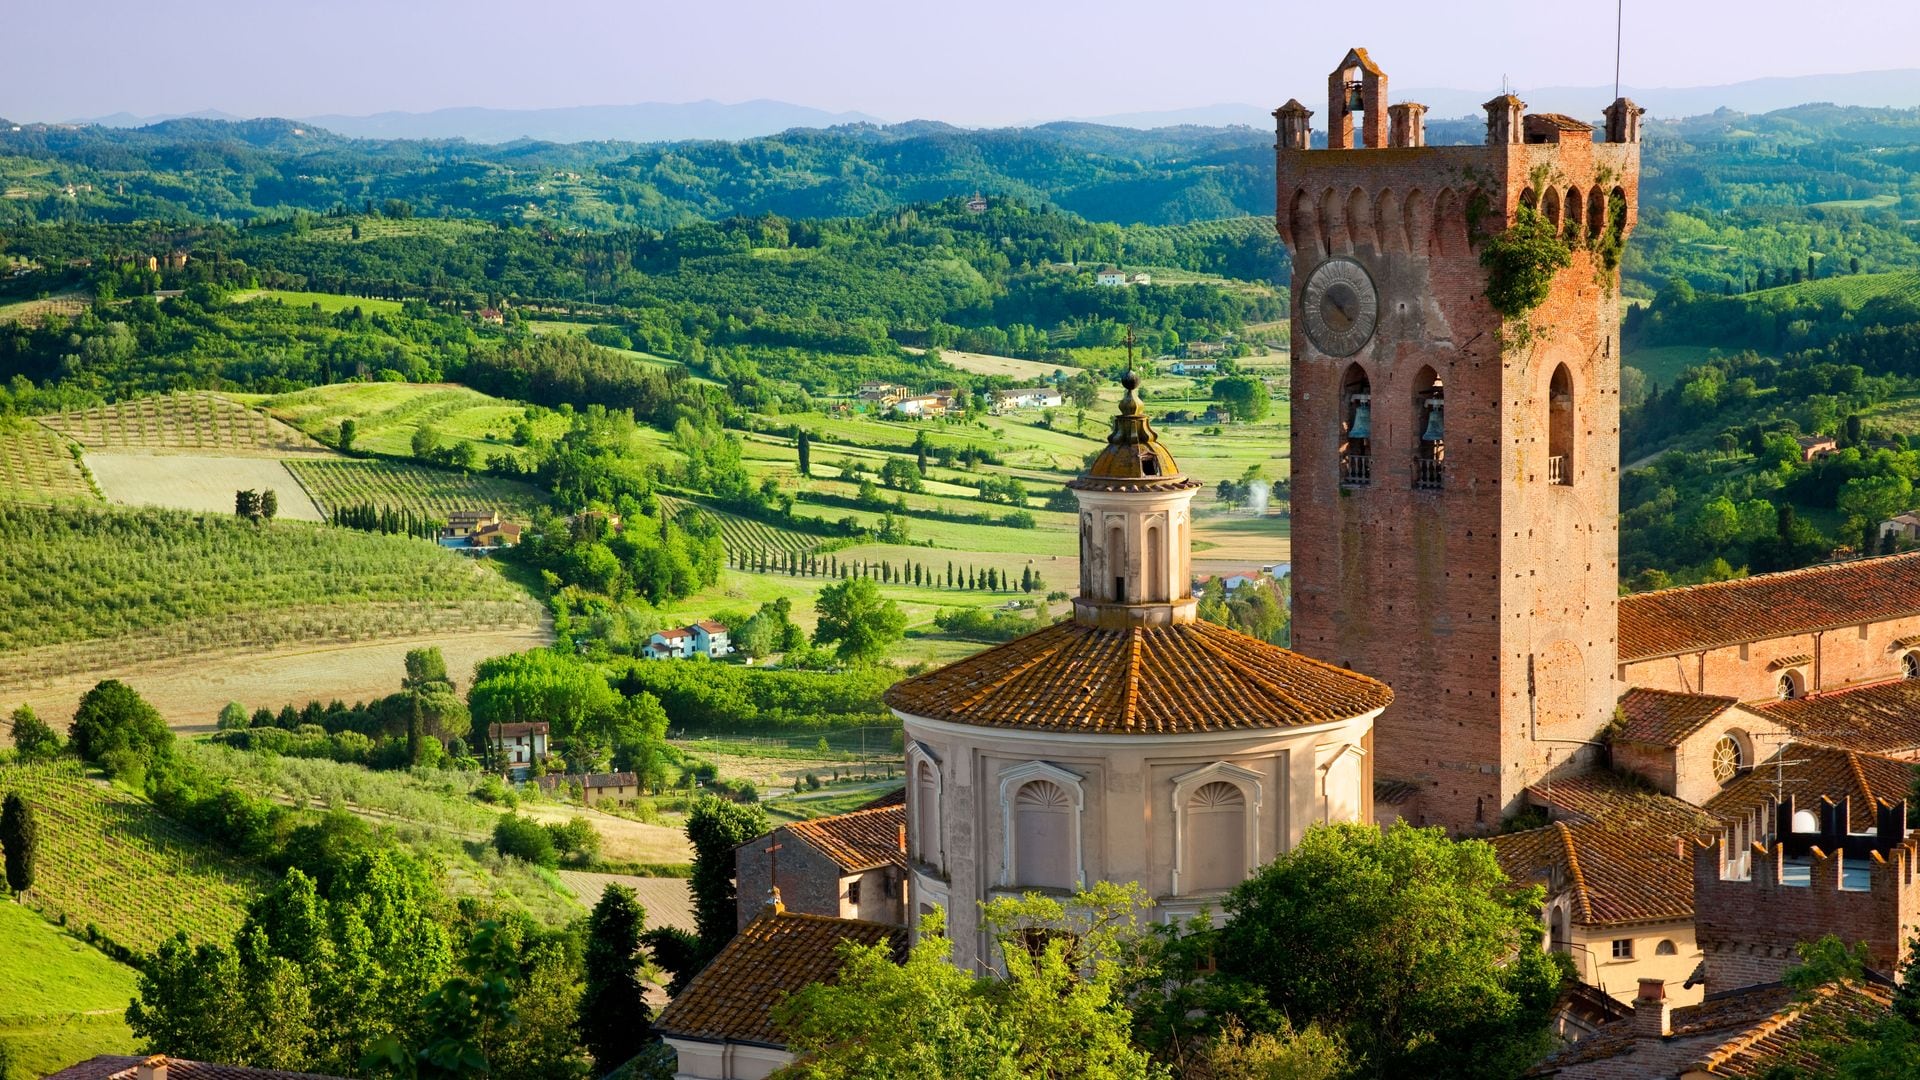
[
  {"x": 61, "y": 1000},
  {"x": 387, "y": 414}
]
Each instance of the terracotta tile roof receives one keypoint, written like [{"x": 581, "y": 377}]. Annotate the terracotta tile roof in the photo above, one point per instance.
[
  {"x": 1615, "y": 875},
  {"x": 1698, "y": 617},
  {"x": 1665, "y": 718},
  {"x": 121, "y": 1067},
  {"x": 710, "y": 626},
  {"x": 1883, "y": 718},
  {"x": 857, "y": 841},
  {"x": 1869, "y": 780},
  {"x": 1160, "y": 680},
  {"x": 1758, "y": 1029},
  {"x": 896, "y": 797},
  {"x": 1608, "y": 799},
  {"x": 732, "y": 999},
  {"x": 1556, "y": 121},
  {"x": 496, "y": 731}
]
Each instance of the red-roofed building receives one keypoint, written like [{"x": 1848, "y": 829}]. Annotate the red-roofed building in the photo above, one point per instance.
[{"x": 848, "y": 866}]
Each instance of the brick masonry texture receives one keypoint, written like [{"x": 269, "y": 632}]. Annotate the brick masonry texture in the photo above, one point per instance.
[{"x": 1488, "y": 605}]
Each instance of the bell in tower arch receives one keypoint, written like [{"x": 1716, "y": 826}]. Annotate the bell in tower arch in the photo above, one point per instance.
[
  {"x": 1355, "y": 102},
  {"x": 1435, "y": 432},
  {"x": 1362, "y": 426}
]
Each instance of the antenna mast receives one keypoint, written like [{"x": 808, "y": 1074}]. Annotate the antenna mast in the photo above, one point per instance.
[{"x": 1619, "y": 19}]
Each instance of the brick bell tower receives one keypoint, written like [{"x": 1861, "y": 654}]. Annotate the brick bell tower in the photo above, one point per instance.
[{"x": 1456, "y": 470}]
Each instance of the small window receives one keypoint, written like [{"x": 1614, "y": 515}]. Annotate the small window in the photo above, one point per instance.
[
  {"x": 1806, "y": 821},
  {"x": 1791, "y": 685},
  {"x": 853, "y": 893},
  {"x": 1665, "y": 948},
  {"x": 1910, "y": 666},
  {"x": 1623, "y": 948}
]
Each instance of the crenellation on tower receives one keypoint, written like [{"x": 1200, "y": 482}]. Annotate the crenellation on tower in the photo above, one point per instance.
[{"x": 1449, "y": 454}]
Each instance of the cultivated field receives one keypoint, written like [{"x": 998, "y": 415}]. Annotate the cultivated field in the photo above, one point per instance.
[
  {"x": 1011, "y": 367},
  {"x": 183, "y": 423},
  {"x": 109, "y": 859},
  {"x": 201, "y": 484},
  {"x": 36, "y": 466},
  {"x": 95, "y": 590},
  {"x": 433, "y": 493},
  {"x": 327, "y": 302},
  {"x": 292, "y": 660},
  {"x": 746, "y": 536},
  {"x": 33, "y": 311},
  {"x": 386, "y": 415},
  {"x": 667, "y": 900},
  {"x": 61, "y": 1001}
]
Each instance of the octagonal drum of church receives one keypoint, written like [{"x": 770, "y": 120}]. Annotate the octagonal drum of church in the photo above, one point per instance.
[{"x": 1132, "y": 742}]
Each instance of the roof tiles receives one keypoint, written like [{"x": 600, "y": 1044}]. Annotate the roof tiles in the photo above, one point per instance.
[
  {"x": 732, "y": 999},
  {"x": 1616, "y": 875},
  {"x": 1812, "y": 772},
  {"x": 1187, "y": 677},
  {"x": 860, "y": 840},
  {"x": 1665, "y": 718},
  {"x": 1883, "y": 718},
  {"x": 1698, "y": 617},
  {"x": 122, "y": 1066}
]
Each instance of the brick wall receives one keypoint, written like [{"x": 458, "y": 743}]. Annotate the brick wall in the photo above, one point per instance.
[
  {"x": 810, "y": 883},
  {"x": 1747, "y": 929},
  {"x": 1839, "y": 657},
  {"x": 1488, "y": 605}
]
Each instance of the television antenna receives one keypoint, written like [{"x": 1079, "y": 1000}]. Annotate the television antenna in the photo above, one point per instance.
[{"x": 1619, "y": 22}]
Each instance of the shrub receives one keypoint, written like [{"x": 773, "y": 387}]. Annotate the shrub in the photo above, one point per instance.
[
  {"x": 524, "y": 838},
  {"x": 577, "y": 840}
]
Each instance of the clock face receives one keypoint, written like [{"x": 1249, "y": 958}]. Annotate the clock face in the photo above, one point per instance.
[{"x": 1340, "y": 307}]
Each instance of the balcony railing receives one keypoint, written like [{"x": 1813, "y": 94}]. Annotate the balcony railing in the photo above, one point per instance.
[
  {"x": 1560, "y": 470},
  {"x": 1428, "y": 473},
  {"x": 1356, "y": 469}
]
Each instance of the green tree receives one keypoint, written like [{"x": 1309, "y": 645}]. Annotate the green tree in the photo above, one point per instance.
[
  {"x": 113, "y": 718},
  {"x": 901, "y": 475},
  {"x": 1055, "y": 1010},
  {"x": 614, "y": 1020},
  {"x": 269, "y": 504},
  {"x": 524, "y": 838},
  {"x": 233, "y": 717},
  {"x": 715, "y": 827},
  {"x": 1244, "y": 397},
  {"x": 20, "y": 839},
  {"x": 33, "y": 737},
  {"x": 426, "y": 670},
  {"x": 857, "y": 621},
  {"x": 803, "y": 448},
  {"x": 425, "y": 441},
  {"x": 1412, "y": 948},
  {"x": 1522, "y": 261},
  {"x": 348, "y": 430}
]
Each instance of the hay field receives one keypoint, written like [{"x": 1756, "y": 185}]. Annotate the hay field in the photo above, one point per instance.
[
  {"x": 1011, "y": 367},
  {"x": 182, "y": 423},
  {"x": 201, "y": 484}
]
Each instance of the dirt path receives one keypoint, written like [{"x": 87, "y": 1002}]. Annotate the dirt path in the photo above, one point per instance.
[{"x": 190, "y": 690}]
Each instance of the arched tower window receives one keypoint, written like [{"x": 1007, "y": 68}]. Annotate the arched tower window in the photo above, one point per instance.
[
  {"x": 1560, "y": 427},
  {"x": 1550, "y": 206},
  {"x": 1596, "y": 213},
  {"x": 1792, "y": 685},
  {"x": 1216, "y": 824},
  {"x": 1529, "y": 198},
  {"x": 1117, "y": 564},
  {"x": 1356, "y": 427},
  {"x": 1557, "y": 939},
  {"x": 1156, "y": 566},
  {"x": 926, "y": 812},
  {"x": 1429, "y": 395},
  {"x": 1576, "y": 208}
]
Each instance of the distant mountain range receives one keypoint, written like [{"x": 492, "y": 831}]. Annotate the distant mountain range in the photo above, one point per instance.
[
  {"x": 647, "y": 122},
  {"x": 669, "y": 122},
  {"x": 1899, "y": 88}
]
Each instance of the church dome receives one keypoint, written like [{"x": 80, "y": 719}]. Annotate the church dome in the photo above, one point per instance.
[
  {"x": 1134, "y": 458},
  {"x": 1186, "y": 677}
]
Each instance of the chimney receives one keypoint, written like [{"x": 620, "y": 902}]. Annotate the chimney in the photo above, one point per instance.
[
  {"x": 1652, "y": 1012},
  {"x": 153, "y": 1068}
]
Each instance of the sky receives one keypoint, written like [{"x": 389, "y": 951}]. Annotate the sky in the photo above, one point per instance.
[{"x": 973, "y": 62}]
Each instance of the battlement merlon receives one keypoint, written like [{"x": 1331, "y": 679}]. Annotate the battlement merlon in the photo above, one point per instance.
[{"x": 1543, "y": 160}]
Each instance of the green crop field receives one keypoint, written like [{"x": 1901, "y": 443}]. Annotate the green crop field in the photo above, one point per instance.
[
  {"x": 744, "y": 534},
  {"x": 36, "y": 466},
  {"x": 150, "y": 584},
  {"x": 430, "y": 492},
  {"x": 1852, "y": 289},
  {"x": 1664, "y": 363},
  {"x": 61, "y": 1000},
  {"x": 386, "y": 415},
  {"x": 109, "y": 858},
  {"x": 327, "y": 302},
  {"x": 184, "y": 422}
]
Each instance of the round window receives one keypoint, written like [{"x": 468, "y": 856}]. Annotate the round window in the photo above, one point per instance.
[
  {"x": 1789, "y": 685},
  {"x": 1726, "y": 758},
  {"x": 1910, "y": 666}
]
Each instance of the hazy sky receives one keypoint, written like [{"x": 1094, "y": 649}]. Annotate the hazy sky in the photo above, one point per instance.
[{"x": 966, "y": 61}]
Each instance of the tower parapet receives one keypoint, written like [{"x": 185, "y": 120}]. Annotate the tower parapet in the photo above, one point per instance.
[{"x": 1454, "y": 463}]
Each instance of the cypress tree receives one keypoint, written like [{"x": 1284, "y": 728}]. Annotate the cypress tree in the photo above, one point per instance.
[
  {"x": 615, "y": 1023},
  {"x": 20, "y": 836}
]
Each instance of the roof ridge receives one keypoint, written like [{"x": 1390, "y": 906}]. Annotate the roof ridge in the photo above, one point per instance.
[
  {"x": 1775, "y": 575},
  {"x": 1130, "y": 707},
  {"x": 1573, "y": 871},
  {"x": 1860, "y": 777},
  {"x": 1793, "y": 1010}
]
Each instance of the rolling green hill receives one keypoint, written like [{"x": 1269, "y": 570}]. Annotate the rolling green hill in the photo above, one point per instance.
[{"x": 61, "y": 1000}]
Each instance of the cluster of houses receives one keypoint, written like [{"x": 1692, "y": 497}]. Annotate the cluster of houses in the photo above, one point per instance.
[
  {"x": 885, "y": 396},
  {"x": 478, "y": 532},
  {"x": 704, "y": 638},
  {"x": 1113, "y": 277}
]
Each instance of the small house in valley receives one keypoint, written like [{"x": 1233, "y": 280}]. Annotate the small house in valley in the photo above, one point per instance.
[
  {"x": 1026, "y": 397},
  {"x": 517, "y": 747},
  {"x": 705, "y": 638},
  {"x": 674, "y": 644},
  {"x": 710, "y": 639},
  {"x": 1111, "y": 277},
  {"x": 595, "y": 787}
]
